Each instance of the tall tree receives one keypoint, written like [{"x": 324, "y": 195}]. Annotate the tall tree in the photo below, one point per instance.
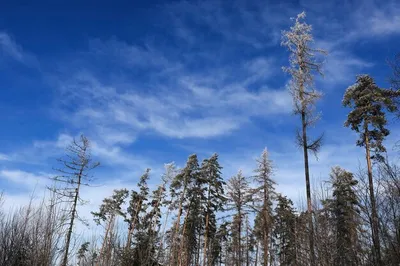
[
  {"x": 211, "y": 173},
  {"x": 179, "y": 191},
  {"x": 238, "y": 193},
  {"x": 344, "y": 207},
  {"x": 303, "y": 65},
  {"x": 108, "y": 212},
  {"x": 136, "y": 205},
  {"x": 74, "y": 173},
  {"x": 368, "y": 118},
  {"x": 284, "y": 232},
  {"x": 264, "y": 193}
]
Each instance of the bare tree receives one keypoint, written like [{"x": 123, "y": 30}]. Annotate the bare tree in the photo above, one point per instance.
[
  {"x": 303, "y": 65},
  {"x": 74, "y": 173}
]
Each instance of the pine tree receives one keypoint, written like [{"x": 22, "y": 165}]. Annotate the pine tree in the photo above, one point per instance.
[
  {"x": 345, "y": 211},
  {"x": 211, "y": 173},
  {"x": 264, "y": 193},
  {"x": 303, "y": 64},
  {"x": 193, "y": 222},
  {"x": 369, "y": 120},
  {"x": 238, "y": 194},
  {"x": 136, "y": 206},
  {"x": 74, "y": 173},
  {"x": 108, "y": 213},
  {"x": 179, "y": 191},
  {"x": 285, "y": 231}
]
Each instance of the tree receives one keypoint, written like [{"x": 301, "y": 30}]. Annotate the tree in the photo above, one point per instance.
[
  {"x": 179, "y": 191},
  {"x": 136, "y": 206},
  {"x": 109, "y": 210},
  {"x": 368, "y": 118},
  {"x": 239, "y": 196},
  {"x": 211, "y": 173},
  {"x": 303, "y": 64},
  {"x": 395, "y": 78},
  {"x": 74, "y": 173},
  {"x": 285, "y": 231},
  {"x": 344, "y": 207},
  {"x": 263, "y": 193}
]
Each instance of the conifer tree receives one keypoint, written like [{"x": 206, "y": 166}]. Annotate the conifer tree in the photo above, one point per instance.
[
  {"x": 193, "y": 221},
  {"x": 136, "y": 206},
  {"x": 263, "y": 194},
  {"x": 109, "y": 211},
  {"x": 368, "y": 118},
  {"x": 239, "y": 196},
  {"x": 285, "y": 232},
  {"x": 179, "y": 191},
  {"x": 303, "y": 65},
  {"x": 211, "y": 173},
  {"x": 344, "y": 206},
  {"x": 74, "y": 173}
]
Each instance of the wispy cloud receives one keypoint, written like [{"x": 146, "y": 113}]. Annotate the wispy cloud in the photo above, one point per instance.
[
  {"x": 26, "y": 179},
  {"x": 4, "y": 157},
  {"x": 10, "y": 48}
]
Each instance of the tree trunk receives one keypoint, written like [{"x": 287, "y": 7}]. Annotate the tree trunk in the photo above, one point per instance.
[
  {"x": 178, "y": 221},
  {"x": 183, "y": 256},
  {"x": 206, "y": 229},
  {"x": 308, "y": 188},
  {"x": 105, "y": 240},
  {"x": 71, "y": 223},
  {"x": 132, "y": 226},
  {"x": 265, "y": 229},
  {"x": 256, "y": 260},
  {"x": 375, "y": 222}
]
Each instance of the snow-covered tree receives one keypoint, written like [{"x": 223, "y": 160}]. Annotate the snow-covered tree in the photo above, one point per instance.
[{"x": 303, "y": 65}]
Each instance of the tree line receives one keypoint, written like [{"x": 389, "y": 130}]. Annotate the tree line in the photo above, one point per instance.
[{"x": 197, "y": 217}]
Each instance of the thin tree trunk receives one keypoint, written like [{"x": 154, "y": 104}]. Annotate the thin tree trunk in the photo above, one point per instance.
[
  {"x": 308, "y": 188},
  {"x": 71, "y": 223},
  {"x": 375, "y": 228},
  {"x": 265, "y": 229},
  {"x": 256, "y": 261},
  {"x": 132, "y": 226},
  {"x": 105, "y": 240},
  {"x": 240, "y": 239},
  {"x": 182, "y": 247},
  {"x": 178, "y": 221},
  {"x": 206, "y": 230}
]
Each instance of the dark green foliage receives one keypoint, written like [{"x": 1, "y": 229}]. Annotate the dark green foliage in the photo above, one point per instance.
[
  {"x": 346, "y": 221},
  {"x": 367, "y": 117},
  {"x": 285, "y": 231}
]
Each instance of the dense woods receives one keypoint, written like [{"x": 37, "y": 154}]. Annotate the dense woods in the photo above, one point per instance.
[{"x": 195, "y": 216}]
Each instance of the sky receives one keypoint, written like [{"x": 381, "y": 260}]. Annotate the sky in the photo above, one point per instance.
[{"x": 151, "y": 82}]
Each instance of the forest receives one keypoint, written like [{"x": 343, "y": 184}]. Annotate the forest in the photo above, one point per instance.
[{"x": 195, "y": 216}]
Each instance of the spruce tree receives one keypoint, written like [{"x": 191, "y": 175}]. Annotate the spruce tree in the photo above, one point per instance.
[
  {"x": 367, "y": 117},
  {"x": 285, "y": 232},
  {"x": 263, "y": 195},
  {"x": 303, "y": 65},
  {"x": 344, "y": 206}
]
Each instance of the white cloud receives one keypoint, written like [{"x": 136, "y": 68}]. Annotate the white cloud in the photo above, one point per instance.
[
  {"x": 22, "y": 178},
  {"x": 10, "y": 47},
  {"x": 4, "y": 157}
]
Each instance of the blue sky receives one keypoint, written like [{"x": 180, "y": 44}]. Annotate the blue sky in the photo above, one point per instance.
[{"x": 152, "y": 82}]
